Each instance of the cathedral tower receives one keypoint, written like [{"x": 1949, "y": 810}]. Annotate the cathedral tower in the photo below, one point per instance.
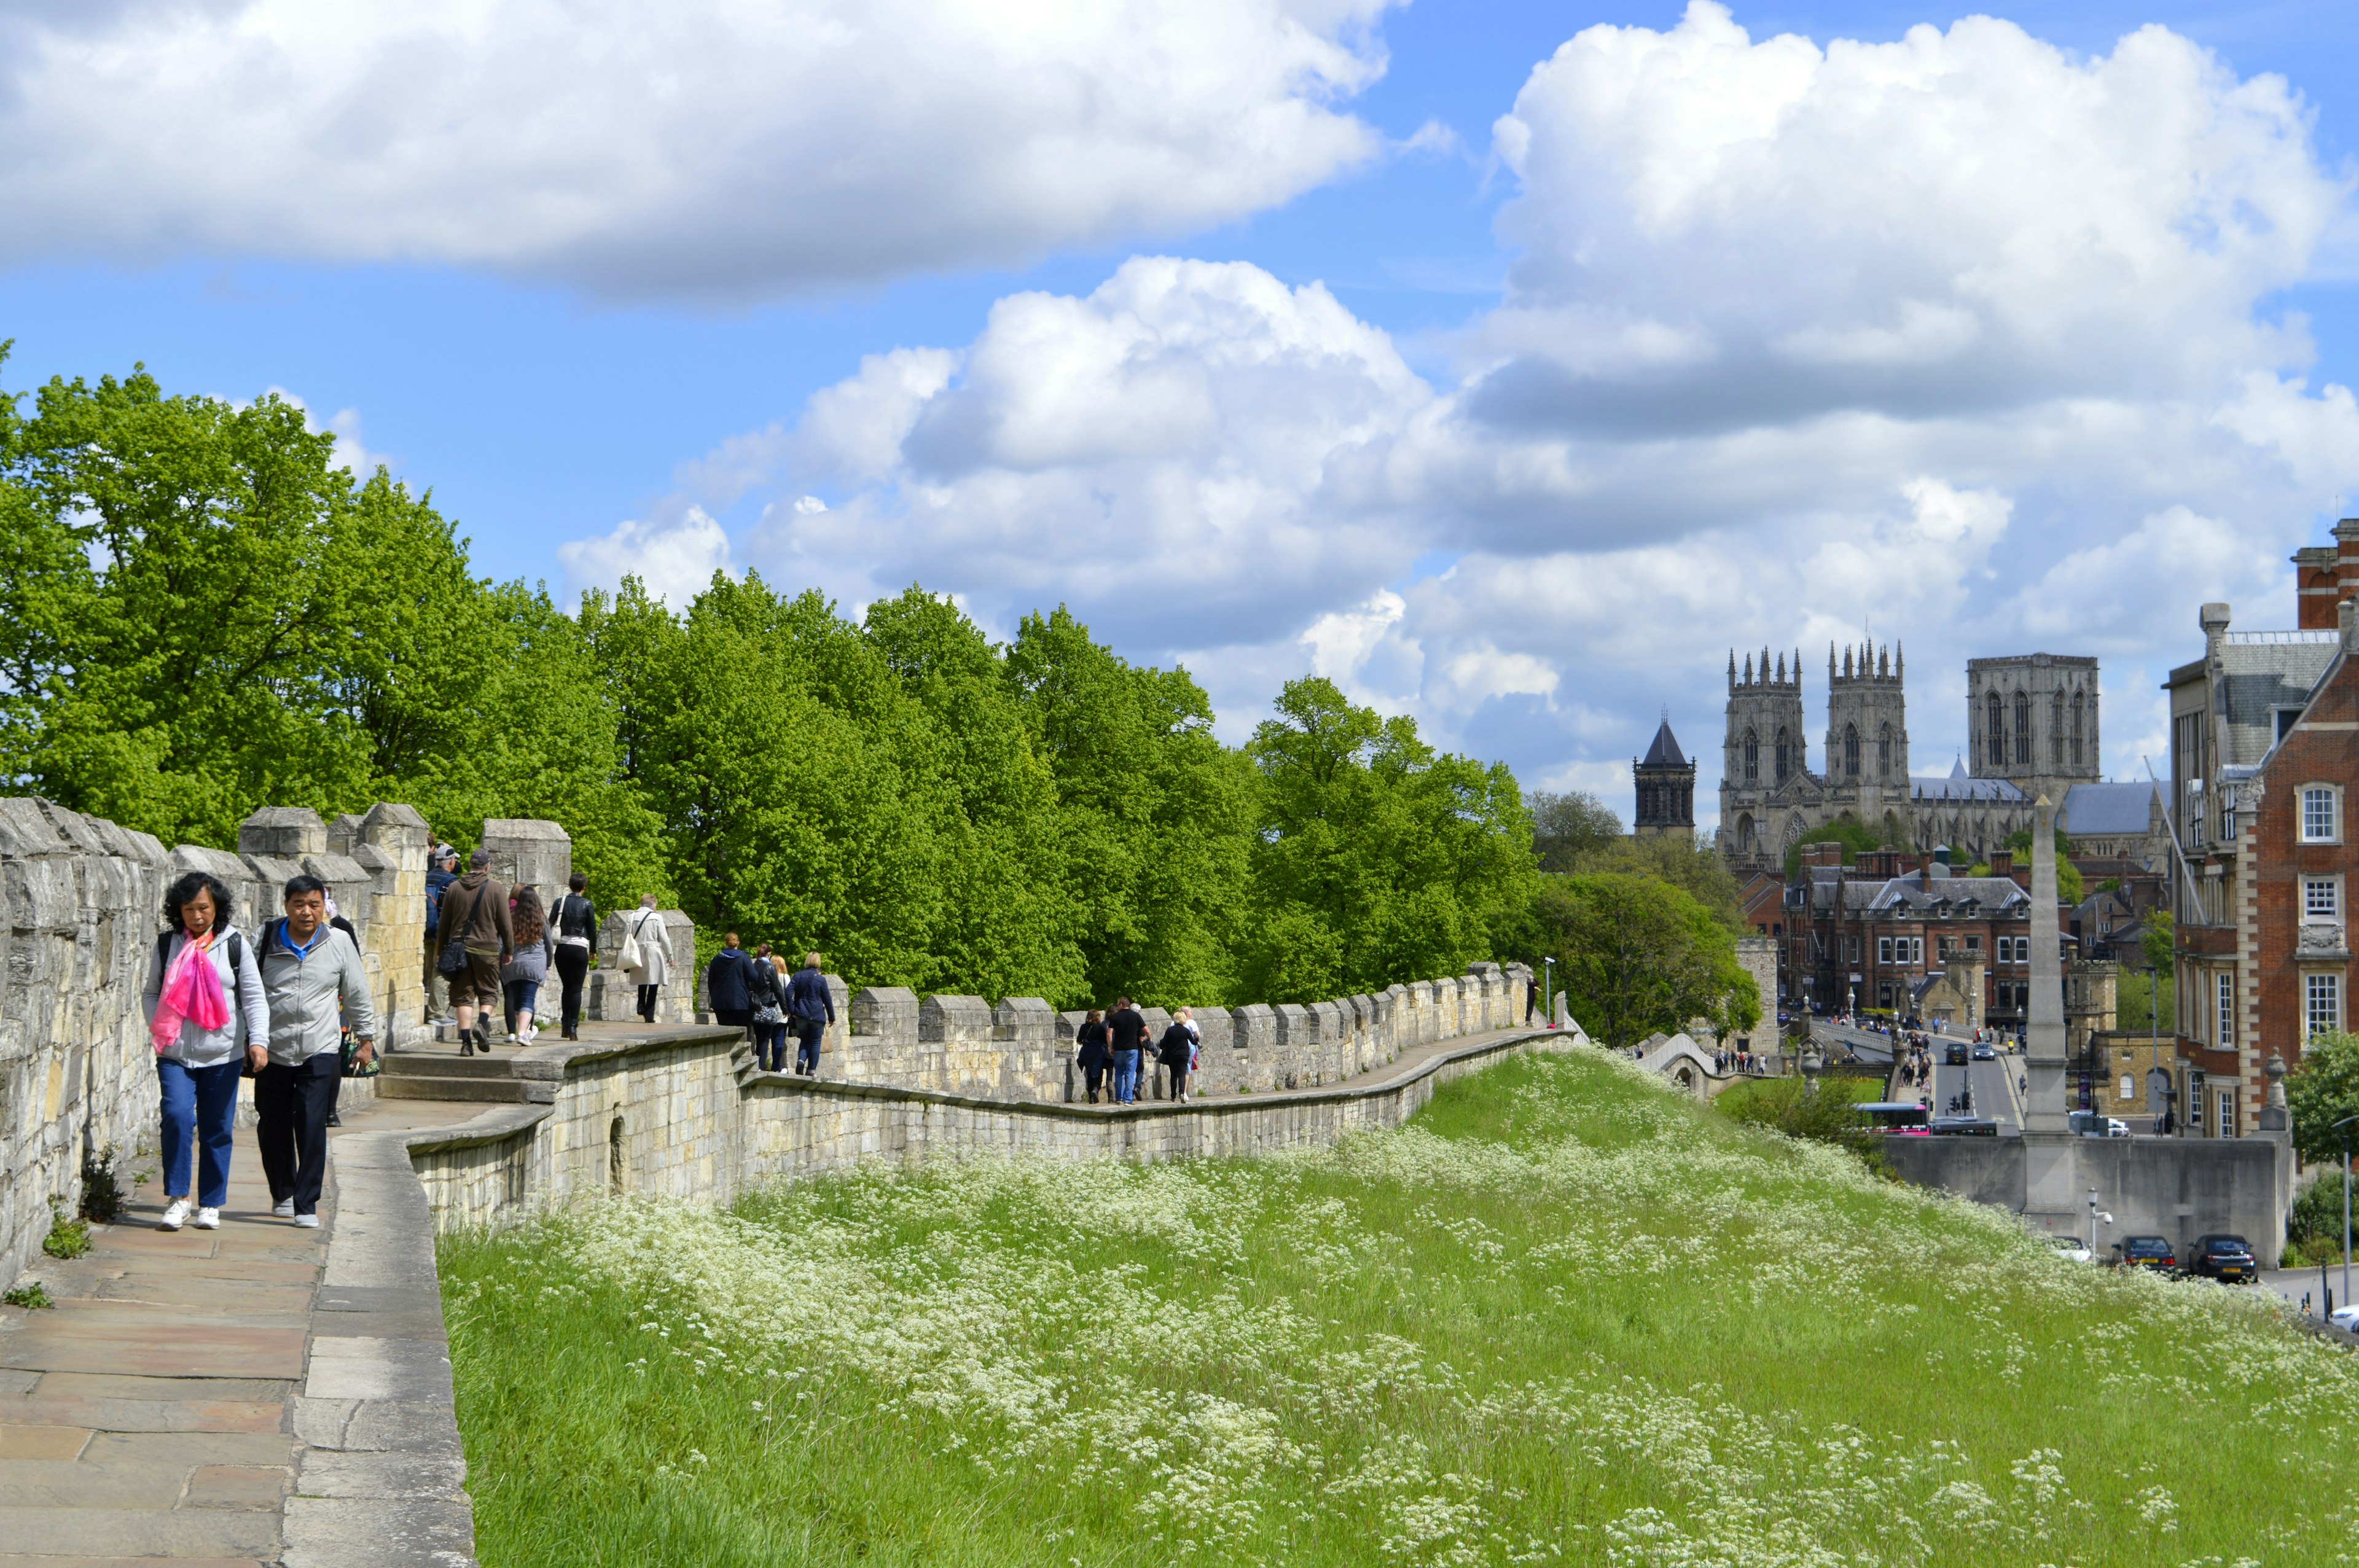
[
  {"x": 1665, "y": 780},
  {"x": 1868, "y": 731},
  {"x": 1765, "y": 752}
]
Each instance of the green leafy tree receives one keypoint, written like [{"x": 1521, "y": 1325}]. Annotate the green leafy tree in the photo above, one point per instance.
[
  {"x": 2158, "y": 943},
  {"x": 1155, "y": 816},
  {"x": 2322, "y": 1089},
  {"x": 1694, "y": 869},
  {"x": 1376, "y": 857},
  {"x": 1637, "y": 956},
  {"x": 1570, "y": 826}
]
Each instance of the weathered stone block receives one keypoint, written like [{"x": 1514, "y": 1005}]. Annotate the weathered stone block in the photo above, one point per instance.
[{"x": 283, "y": 833}]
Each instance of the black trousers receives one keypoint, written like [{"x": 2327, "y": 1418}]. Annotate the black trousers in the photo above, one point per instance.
[
  {"x": 572, "y": 969},
  {"x": 290, "y": 1123},
  {"x": 647, "y": 1002}
]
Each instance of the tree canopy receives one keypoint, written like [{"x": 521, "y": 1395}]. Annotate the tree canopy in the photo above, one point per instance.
[
  {"x": 2322, "y": 1089},
  {"x": 1636, "y": 955},
  {"x": 201, "y": 614}
]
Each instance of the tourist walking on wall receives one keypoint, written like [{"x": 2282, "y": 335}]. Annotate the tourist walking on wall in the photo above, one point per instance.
[
  {"x": 314, "y": 981},
  {"x": 577, "y": 931},
  {"x": 767, "y": 987},
  {"x": 729, "y": 985},
  {"x": 1174, "y": 1051},
  {"x": 441, "y": 870},
  {"x": 523, "y": 975},
  {"x": 1531, "y": 998},
  {"x": 810, "y": 1008},
  {"x": 206, "y": 1014},
  {"x": 646, "y": 954},
  {"x": 1126, "y": 1034},
  {"x": 1091, "y": 1052},
  {"x": 475, "y": 918}
]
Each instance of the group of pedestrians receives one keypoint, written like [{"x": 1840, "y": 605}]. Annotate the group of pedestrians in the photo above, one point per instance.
[
  {"x": 1725, "y": 1062},
  {"x": 275, "y": 1008},
  {"x": 753, "y": 992},
  {"x": 489, "y": 944},
  {"x": 1114, "y": 1041}
]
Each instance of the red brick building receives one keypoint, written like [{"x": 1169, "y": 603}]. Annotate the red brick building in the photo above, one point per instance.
[
  {"x": 1870, "y": 934},
  {"x": 2265, "y": 756}
]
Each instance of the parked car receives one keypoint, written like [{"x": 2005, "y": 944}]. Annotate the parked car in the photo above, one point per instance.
[
  {"x": 2227, "y": 1258},
  {"x": 1983, "y": 1052},
  {"x": 2346, "y": 1318},
  {"x": 1955, "y": 1056},
  {"x": 2072, "y": 1247},
  {"x": 2149, "y": 1253},
  {"x": 2096, "y": 1124}
]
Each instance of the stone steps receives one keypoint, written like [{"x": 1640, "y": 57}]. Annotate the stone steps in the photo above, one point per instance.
[{"x": 421, "y": 1075}]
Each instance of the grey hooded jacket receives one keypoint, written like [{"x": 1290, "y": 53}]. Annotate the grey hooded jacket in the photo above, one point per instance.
[{"x": 306, "y": 988}]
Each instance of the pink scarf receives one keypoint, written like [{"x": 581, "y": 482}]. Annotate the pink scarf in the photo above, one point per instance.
[{"x": 193, "y": 991}]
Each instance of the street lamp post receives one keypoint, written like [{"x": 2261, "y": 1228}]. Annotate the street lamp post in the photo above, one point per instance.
[{"x": 1548, "y": 972}]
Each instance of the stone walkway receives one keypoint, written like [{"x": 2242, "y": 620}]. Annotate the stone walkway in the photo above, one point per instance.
[{"x": 193, "y": 1394}]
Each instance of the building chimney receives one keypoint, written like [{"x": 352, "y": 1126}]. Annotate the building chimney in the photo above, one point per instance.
[
  {"x": 2001, "y": 862},
  {"x": 2318, "y": 585},
  {"x": 2346, "y": 545}
]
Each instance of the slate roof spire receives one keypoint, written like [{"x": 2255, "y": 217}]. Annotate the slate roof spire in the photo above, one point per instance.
[{"x": 1665, "y": 752}]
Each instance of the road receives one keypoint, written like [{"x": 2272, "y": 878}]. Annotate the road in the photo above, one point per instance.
[{"x": 1995, "y": 1093}]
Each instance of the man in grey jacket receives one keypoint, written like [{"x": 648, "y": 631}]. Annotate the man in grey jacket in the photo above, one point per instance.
[{"x": 315, "y": 981}]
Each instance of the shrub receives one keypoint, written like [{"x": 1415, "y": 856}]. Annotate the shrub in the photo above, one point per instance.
[
  {"x": 30, "y": 1295},
  {"x": 101, "y": 1190},
  {"x": 68, "y": 1238},
  {"x": 1830, "y": 1114}
]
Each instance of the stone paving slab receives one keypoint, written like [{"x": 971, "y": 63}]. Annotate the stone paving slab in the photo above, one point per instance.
[
  {"x": 112, "y": 1402},
  {"x": 143, "y": 1533},
  {"x": 198, "y": 1396}
]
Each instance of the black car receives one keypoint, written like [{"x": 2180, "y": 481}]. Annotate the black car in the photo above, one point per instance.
[
  {"x": 2227, "y": 1258},
  {"x": 1956, "y": 1054},
  {"x": 1963, "y": 1127},
  {"x": 2149, "y": 1253}
]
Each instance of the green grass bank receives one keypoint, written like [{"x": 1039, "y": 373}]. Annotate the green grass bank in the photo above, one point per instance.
[{"x": 1563, "y": 1316}]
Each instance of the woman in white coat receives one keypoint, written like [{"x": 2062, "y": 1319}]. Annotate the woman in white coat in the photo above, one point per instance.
[
  {"x": 206, "y": 1015},
  {"x": 644, "y": 938}
]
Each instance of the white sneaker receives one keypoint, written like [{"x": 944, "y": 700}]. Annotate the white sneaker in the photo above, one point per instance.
[
  {"x": 208, "y": 1220},
  {"x": 512, "y": 1039},
  {"x": 176, "y": 1214},
  {"x": 284, "y": 1208},
  {"x": 308, "y": 1221}
]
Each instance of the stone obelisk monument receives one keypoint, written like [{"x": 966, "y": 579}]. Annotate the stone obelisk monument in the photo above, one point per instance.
[{"x": 2043, "y": 1038}]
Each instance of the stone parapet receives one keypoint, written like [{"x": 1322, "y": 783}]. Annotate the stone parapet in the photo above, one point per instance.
[
  {"x": 81, "y": 904},
  {"x": 667, "y": 1115}
]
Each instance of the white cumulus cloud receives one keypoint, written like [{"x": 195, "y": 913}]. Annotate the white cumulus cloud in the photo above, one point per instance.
[
  {"x": 707, "y": 147},
  {"x": 1961, "y": 342}
]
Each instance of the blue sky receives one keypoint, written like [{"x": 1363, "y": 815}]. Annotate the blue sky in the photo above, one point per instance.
[{"x": 1447, "y": 483}]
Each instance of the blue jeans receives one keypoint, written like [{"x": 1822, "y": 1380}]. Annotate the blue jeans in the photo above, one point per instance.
[
  {"x": 806, "y": 1033},
  {"x": 1125, "y": 1076},
  {"x": 203, "y": 1101}
]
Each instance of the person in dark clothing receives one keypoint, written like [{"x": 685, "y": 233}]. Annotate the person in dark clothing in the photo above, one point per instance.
[
  {"x": 810, "y": 1008},
  {"x": 475, "y": 909},
  {"x": 767, "y": 988},
  {"x": 441, "y": 870},
  {"x": 1531, "y": 998},
  {"x": 728, "y": 984},
  {"x": 1173, "y": 1051},
  {"x": 1090, "y": 1052},
  {"x": 1127, "y": 1031},
  {"x": 577, "y": 933}
]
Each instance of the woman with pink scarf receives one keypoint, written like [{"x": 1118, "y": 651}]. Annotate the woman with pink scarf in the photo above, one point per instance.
[{"x": 206, "y": 1012}]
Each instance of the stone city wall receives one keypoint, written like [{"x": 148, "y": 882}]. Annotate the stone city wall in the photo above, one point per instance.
[
  {"x": 677, "y": 1116},
  {"x": 1021, "y": 1050},
  {"x": 84, "y": 903},
  {"x": 2179, "y": 1188}
]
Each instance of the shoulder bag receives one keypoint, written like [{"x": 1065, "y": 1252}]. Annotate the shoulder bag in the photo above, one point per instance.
[{"x": 452, "y": 959}]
